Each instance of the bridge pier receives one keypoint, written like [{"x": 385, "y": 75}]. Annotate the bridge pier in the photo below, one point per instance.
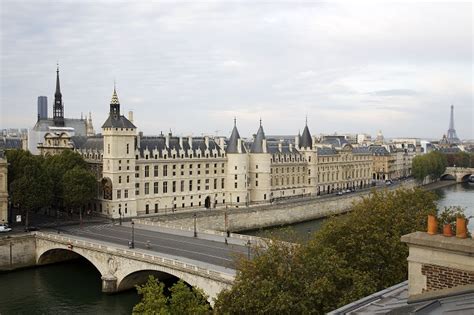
[{"x": 109, "y": 284}]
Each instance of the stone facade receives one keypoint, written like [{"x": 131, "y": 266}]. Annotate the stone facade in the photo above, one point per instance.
[{"x": 3, "y": 189}]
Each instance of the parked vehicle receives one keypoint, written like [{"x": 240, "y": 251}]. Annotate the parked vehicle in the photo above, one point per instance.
[
  {"x": 4, "y": 228},
  {"x": 31, "y": 228}
]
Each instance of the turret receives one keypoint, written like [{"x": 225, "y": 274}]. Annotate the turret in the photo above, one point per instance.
[
  {"x": 58, "y": 107},
  {"x": 237, "y": 169},
  {"x": 259, "y": 168}
]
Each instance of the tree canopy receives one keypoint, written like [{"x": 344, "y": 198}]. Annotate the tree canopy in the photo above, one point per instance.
[
  {"x": 432, "y": 164},
  {"x": 352, "y": 256},
  {"x": 180, "y": 299}
]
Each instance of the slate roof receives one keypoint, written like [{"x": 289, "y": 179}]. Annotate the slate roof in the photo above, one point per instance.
[
  {"x": 10, "y": 143},
  {"x": 232, "y": 143},
  {"x": 119, "y": 122},
  {"x": 393, "y": 300},
  {"x": 378, "y": 150},
  {"x": 361, "y": 150},
  {"x": 305, "y": 140},
  {"x": 257, "y": 145},
  {"x": 326, "y": 151},
  {"x": 88, "y": 143},
  {"x": 159, "y": 143}
]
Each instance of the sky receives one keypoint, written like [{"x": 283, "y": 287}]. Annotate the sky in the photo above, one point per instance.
[{"x": 191, "y": 67}]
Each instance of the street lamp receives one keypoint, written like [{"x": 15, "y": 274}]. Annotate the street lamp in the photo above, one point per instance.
[
  {"x": 132, "y": 244},
  {"x": 195, "y": 232},
  {"x": 248, "y": 248}
]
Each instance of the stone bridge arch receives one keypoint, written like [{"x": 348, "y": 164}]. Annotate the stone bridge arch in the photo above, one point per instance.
[{"x": 122, "y": 269}]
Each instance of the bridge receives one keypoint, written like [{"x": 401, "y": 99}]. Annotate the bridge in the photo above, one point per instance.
[
  {"x": 205, "y": 262},
  {"x": 460, "y": 174}
]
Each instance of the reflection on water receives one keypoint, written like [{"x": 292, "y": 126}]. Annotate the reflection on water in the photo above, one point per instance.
[
  {"x": 66, "y": 288},
  {"x": 454, "y": 195}
]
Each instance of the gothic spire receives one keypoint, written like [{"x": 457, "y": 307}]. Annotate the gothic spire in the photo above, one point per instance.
[{"x": 58, "y": 107}]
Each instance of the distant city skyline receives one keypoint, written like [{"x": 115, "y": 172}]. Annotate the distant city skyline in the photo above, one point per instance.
[{"x": 193, "y": 67}]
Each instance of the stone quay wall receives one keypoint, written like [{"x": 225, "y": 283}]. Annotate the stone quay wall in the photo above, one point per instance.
[
  {"x": 279, "y": 214},
  {"x": 17, "y": 251}
]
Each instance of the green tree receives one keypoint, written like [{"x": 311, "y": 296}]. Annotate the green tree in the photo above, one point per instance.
[
  {"x": 31, "y": 186},
  {"x": 80, "y": 187},
  {"x": 351, "y": 257},
  {"x": 432, "y": 164},
  {"x": 180, "y": 300}
]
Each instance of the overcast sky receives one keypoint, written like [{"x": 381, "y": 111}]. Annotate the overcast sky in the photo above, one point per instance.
[{"x": 191, "y": 67}]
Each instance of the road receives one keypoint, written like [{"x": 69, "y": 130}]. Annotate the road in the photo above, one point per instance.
[{"x": 207, "y": 251}]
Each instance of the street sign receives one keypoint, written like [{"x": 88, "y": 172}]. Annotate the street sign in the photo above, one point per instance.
[{"x": 18, "y": 218}]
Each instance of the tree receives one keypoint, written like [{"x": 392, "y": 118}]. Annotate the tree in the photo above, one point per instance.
[
  {"x": 182, "y": 299},
  {"x": 352, "y": 256},
  {"x": 31, "y": 186},
  {"x": 432, "y": 164},
  {"x": 80, "y": 187}
]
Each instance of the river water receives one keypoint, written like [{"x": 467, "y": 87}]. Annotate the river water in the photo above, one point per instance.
[
  {"x": 454, "y": 195},
  {"x": 75, "y": 287}
]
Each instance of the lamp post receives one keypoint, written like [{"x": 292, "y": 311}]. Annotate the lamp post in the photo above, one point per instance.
[
  {"x": 195, "y": 232},
  {"x": 132, "y": 245},
  {"x": 248, "y": 248},
  {"x": 120, "y": 216}
]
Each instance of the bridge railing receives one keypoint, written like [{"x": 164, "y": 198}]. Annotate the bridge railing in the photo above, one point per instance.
[{"x": 136, "y": 255}]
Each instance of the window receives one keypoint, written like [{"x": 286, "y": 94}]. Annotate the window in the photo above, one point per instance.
[
  {"x": 147, "y": 171},
  {"x": 165, "y": 187},
  {"x": 147, "y": 209},
  {"x": 190, "y": 185},
  {"x": 256, "y": 175},
  {"x": 119, "y": 194},
  {"x": 256, "y": 166},
  {"x": 235, "y": 185},
  {"x": 155, "y": 187},
  {"x": 125, "y": 193},
  {"x": 120, "y": 179},
  {"x": 215, "y": 183},
  {"x": 182, "y": 186},
  {"x": 165, "y": 170},
  {"x": 155, "y": 170},
  {"x": 147, "y": 188},
  {"x": 128, "y": 179},
  {"x": 108, "y": 148},
  {"x": 128, "y": 148},
  {"x": 137, "y": 189},
  {"x": 222, "y": 183},
  {"x": 156, "y": 208},
  {"x": 256, "y": 183},
  {"x": 235, "y": 176},
  {"x": 238, "y": 199},
  {"x": 174, "y": 186}
]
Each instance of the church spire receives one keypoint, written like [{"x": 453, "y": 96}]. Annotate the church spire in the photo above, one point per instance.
[
  {"x": 58, "y": 108},
  {"x": 115, "y": 105}
]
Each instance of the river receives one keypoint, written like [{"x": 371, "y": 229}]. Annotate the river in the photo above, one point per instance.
[
  {"x": 454, "y": 195},
  {"x": 75, "y": 287}
]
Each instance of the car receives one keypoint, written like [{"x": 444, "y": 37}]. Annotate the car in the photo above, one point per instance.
[
  {"x": 5, "y": 228},
  {"x": 340, "y": 193}
]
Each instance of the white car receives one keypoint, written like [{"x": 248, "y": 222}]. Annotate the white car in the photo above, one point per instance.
[{"x": 5, "y": 228}]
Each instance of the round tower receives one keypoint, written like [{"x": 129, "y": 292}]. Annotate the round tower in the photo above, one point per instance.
[{"x": 259, "y": 169}]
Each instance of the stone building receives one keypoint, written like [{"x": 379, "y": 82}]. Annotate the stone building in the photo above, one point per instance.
[
  {"x": 58, "y": 123},
  {"x": 3, "y": 189},
  {"x": 142, "y": 175}
]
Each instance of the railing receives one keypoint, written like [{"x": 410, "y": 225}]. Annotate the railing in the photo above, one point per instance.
[{"x": 135, "y": 255}]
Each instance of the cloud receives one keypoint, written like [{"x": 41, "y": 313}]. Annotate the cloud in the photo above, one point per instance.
[{"x": 192, "y": 66}]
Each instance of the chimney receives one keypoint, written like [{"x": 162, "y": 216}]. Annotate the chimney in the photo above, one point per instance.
[
  {"x": 139, "y": 136},
  {"x": 438, "y": 266},
  {"x": 239, "y": 145},
  {"x": 130, "y": 116},
  {"x": 297, "y": 142},
  {"x": 181, "y": 142},
  {"x": 167, "y": 140},
  {"x": 280, "y": 146},
  {"x": 264, "y": 144},
  {"x": 206, "y": 141},
  {"x": 222, "y": 143},
  {"x": 190, "y": 142},
  {"x": 291, "y": 147}
]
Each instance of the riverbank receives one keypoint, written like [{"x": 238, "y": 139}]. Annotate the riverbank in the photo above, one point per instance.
[
  {"x": 277, "y": 214},
  {"x": 439, "y": 184}
]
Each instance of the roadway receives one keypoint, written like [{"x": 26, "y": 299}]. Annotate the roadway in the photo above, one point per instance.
[{"x": 173, "y": 244}]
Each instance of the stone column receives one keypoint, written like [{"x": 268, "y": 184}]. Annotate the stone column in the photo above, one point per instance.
[{"x": 109, "y": 284}]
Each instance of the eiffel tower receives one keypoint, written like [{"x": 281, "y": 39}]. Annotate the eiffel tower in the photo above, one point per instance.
[{"x": 451, "y": 136}]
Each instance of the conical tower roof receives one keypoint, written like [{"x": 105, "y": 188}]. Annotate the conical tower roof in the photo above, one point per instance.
[
  {"x": 306, "y": 141},
  {"x": 257, "y": 145},
  {"x": 233, "y": 143}
]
